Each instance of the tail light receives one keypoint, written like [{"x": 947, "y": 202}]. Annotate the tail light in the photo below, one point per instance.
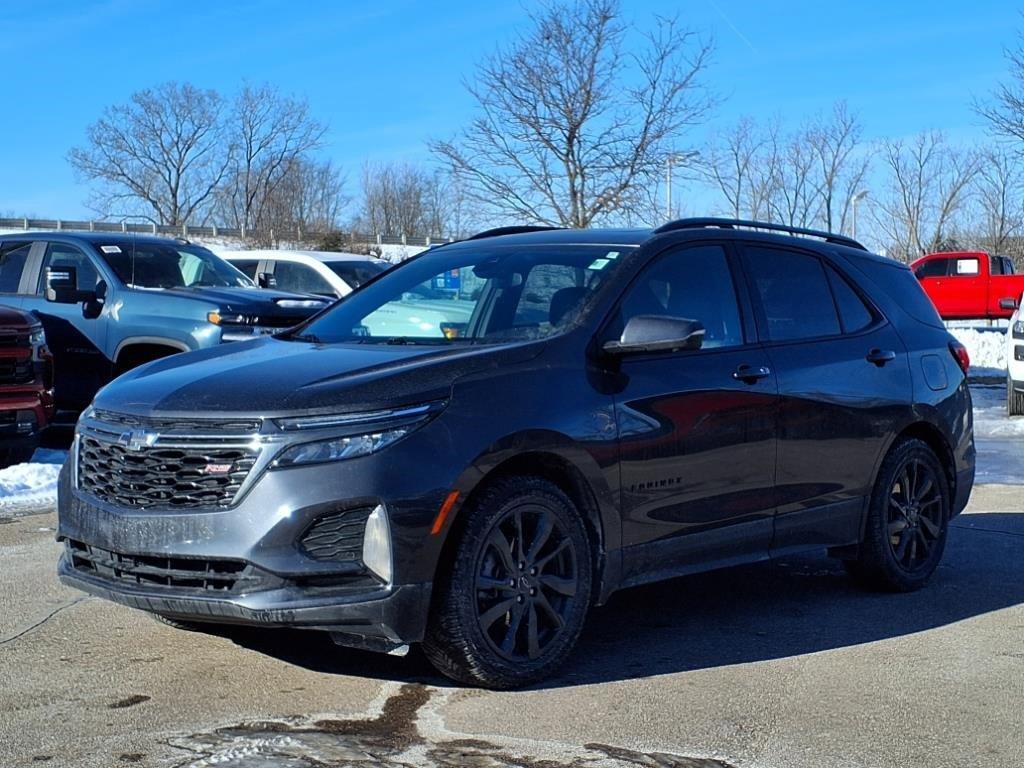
[{"x": 959, "y": 352}]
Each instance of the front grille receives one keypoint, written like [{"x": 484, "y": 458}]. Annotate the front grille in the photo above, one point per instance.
[
  {"x": 179, "y": 572},
  {"x": 162, "y": 463},
  {"x": 16, "y": 371},
  {"x": 337, "y": 536},
  {"x": 8, "y": 340},
  {"x": 1018, "y": 352}
]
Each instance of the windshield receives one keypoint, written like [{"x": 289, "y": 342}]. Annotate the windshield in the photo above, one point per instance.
[
  {"x": 170, "y": 265},
  {"x": 465, "y": 294},
  {"x": 355, "y": 273}
]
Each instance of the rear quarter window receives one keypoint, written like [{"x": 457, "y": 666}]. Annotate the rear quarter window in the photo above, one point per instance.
[{"x": 899, "y": 283}]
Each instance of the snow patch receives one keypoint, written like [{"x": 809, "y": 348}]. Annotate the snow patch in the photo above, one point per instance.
[
  {"x": 33, "y": 484},
  {"x": 986, "y": 347}
]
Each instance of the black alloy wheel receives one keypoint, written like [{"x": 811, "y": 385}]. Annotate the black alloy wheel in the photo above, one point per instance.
[
  {"x": 513, "y": 602},
  {"x": 526, "y": 579},
  {"x": 908, "y": 521}
]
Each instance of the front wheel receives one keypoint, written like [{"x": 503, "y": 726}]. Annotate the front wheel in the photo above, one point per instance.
[
  {"x": 513, "y": 604},
  {"x": 907, "y": 521},
  {"x": 1014, "y": 400}
]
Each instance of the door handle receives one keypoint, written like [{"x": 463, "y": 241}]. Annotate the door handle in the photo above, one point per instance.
[
  {"x": 881, "y": 356},
  {"x": 750, "y": 374}
]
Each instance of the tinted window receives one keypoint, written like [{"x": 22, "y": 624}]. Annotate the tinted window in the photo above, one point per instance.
[
  {"x": 932, "y": 268},
  {"x": 12, "y": 264},
  {"x": 61, "y": 255},
  {"x": 301, "y": 279},
  {"x": 246, "y": 266},
  {"x": 149, "y": 264},
  {"x": 693, "y": 284},
  {"x": 853, "y": 313},
  {"x": 794, "y": 294},
  {"x": 899, "y": 282},
  {"x": 537, "y": 303},
  {"x": 355, "y": 273}
]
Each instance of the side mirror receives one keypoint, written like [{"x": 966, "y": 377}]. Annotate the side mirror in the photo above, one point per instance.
[
  {"x": 266, "y": 280},
  {"x": 1008, "y": 303},
  {"x": 92, "y": 302},
  {"x": 656, "y": 333},
  {"x": 62, "y": 285}
]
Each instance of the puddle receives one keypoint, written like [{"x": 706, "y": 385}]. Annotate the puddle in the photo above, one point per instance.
[{"x": 393, "y": 740}]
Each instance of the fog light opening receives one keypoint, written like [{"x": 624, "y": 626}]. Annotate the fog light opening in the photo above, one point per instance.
[{"x": 377, "y": 544}]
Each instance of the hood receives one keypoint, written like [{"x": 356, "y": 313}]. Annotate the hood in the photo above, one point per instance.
[
  {"x": 245, "y": 299},
  {"x": 11, "y": 318},
  {"x": 271, "y": 377}
]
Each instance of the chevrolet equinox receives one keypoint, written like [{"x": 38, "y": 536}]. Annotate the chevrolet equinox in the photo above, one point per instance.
[{"x": 594, "y": 410}]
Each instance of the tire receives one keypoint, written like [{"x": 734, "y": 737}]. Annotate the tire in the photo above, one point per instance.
[
  {"x": 11, "y": 456},
  {"x": 504, "y": 615},
  {"x": 908, "y": 521},
  {"x": 1014, "y": 400}
]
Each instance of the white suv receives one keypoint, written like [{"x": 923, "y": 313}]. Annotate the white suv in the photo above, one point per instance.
[
  {"x": 1015, "y": 363},
  {"x": 324, "y": 273}
]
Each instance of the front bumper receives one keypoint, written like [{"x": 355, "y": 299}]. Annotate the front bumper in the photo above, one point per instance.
[{"x": 379, "y": 620}]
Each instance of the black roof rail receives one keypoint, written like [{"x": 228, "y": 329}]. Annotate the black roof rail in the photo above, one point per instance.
[
  {"x": 517, "y": 230},
  {"x": 699, "y": 223}
]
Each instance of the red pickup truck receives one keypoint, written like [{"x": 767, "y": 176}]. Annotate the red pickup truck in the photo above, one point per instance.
[{"x": 969, "y": 285}]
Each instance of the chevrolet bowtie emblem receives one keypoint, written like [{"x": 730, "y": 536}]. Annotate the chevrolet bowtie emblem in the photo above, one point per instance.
[{"x": 137, "y": 439}]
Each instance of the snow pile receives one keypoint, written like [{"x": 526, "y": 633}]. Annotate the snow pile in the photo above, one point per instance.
[
  {"x": 33, "y": 485},
  {"x": 986, "y": 347}
]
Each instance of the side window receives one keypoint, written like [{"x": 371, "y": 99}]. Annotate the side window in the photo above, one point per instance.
[
  {"x": 965, "y": 267},
  {"x": 61, "y": 255},
  {"x": 933, "y": 268},
  {"x": 299, "y": 278},
  {"x": 853, "y": 313},
  {"x": 693, "y": 283},
  {"x": 247, "y": 266},
  {"x": 995, "y": 265},
  {"x": 12, "y": 263},
  {"x": 550, "y": 294},
  {"x": 794, "y": 294}
]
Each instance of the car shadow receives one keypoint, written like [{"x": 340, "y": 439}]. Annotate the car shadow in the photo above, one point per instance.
[{"x": 790, "y": 607}]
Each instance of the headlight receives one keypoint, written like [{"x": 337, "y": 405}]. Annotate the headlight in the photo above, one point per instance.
[
  {"x": 340, "y": 448},
  {"x": 218, "y": 319},
  {"x": 37, "y": 340},
  {"x": 1018, "y": 329}
]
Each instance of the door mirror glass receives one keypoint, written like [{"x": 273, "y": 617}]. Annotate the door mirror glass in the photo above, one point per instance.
[
  {"x": 266, "y": 280},
  {"x": 62, "y": 284},
  {"x": 656, "y": 333}
]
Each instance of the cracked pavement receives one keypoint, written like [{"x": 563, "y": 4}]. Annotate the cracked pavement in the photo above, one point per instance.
[{"x": 783, "y": 664}]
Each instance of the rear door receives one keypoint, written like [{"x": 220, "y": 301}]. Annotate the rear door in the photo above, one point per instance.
[
  {"x": 697, "y": 428},
  {"x": 844, "y": 386}
]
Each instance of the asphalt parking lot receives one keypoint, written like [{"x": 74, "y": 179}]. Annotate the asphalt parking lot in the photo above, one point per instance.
[{"x": 783, "y": 664}]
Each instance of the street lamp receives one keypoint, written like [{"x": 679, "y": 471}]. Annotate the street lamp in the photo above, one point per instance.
[
  {"x": 854, "y": 199},
  {"x": 682, "y": 158}
]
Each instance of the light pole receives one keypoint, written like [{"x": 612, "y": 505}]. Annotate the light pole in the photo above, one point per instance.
[
  {"x": 674, "y": 157},
  {"x": 854, "y": 199}
]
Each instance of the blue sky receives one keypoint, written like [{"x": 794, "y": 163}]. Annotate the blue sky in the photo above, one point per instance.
[{"x": 387, "y": 76}]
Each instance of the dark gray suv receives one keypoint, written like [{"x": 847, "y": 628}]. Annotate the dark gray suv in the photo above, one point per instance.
[{"x": 583, "y": 411}]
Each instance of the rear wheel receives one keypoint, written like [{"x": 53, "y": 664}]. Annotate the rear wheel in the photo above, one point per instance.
[
  {"x": 513, "y": 604},
  {"x": 1014, "y": 400},
  {"x": 907, "y": 521}
]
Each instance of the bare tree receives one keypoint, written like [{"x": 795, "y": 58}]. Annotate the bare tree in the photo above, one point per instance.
[
  {"x": 402, "y": 199},
  {"x": 793, "y": 188},
  {"x": 999, "y": 214},
  {"x": 1005, "y": 112},
  {"x": 842, "y": 164},
  {"x": 733, "y": 165},
  {"x": 577, "y": 118},
  {"x": 308, "y": 197},
  {"x": 928, "y": 187},
  {"x": 161, "y": 156},
  {"x": 272, "y": 132}
]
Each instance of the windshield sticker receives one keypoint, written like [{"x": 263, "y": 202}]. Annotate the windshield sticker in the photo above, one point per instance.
[
  {"x": 110, "y": 249},
  {"x": 612, "y": 255},
  {"x": 599, "y": 263}
]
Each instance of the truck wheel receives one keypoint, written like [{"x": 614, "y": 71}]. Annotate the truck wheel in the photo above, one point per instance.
[
  {"x": 1014, "y": 400},
  {"x": 11, "y": 456},
  {"x": 512, "y": 606},
  {"x": 907, "y": 521}
]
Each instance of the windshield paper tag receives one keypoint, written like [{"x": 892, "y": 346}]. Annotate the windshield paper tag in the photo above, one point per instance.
[{"x": 110, "y": 249}]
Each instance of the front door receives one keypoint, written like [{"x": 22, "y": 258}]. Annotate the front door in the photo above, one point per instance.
[
  {"x": 696, "y": 428},
  {"x": 80, "y": 366}
]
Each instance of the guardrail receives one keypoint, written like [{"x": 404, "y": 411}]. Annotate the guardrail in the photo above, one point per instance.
[{"x": 185, "y": 230}]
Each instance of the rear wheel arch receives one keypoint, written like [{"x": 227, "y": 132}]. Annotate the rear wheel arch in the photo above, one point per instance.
[{"x": 931, "y": 436}]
